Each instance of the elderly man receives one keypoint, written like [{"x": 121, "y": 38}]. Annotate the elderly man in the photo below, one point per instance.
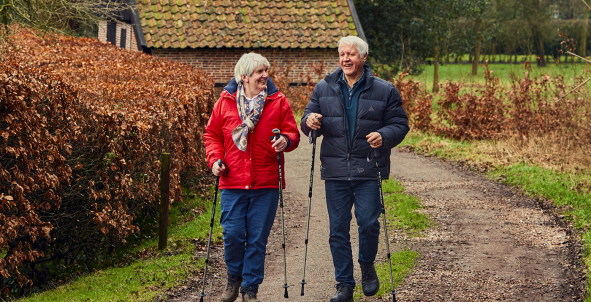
[{"x": 355, "y": 112}]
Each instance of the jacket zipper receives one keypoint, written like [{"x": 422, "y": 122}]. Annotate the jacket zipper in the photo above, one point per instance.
[{"x": 346, "y": 125}]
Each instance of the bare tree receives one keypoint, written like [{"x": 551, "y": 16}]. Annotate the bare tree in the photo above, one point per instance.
[{"x": 62, "y": 16}]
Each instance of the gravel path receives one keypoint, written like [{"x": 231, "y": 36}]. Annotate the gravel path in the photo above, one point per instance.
[{"x": 490, "y": 243}]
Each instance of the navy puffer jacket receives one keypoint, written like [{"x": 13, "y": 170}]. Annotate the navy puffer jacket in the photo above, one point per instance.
[{"x": 379, "y": 109}]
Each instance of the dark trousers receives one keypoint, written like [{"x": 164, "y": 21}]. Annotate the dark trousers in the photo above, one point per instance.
[{"x": 340, "y": 198}]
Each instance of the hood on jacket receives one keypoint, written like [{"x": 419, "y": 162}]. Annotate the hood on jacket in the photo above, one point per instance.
[{"x": 233, "y": 86}]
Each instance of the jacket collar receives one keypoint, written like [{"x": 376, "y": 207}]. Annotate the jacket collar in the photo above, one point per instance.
[
  {"x": 233, "y": 86},
  {"x": 333, "y": 78}
]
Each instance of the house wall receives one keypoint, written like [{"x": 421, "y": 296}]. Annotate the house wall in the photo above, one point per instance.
[
  {"x": 130, "y": 42},
  {"x": 220, "y": 62}
]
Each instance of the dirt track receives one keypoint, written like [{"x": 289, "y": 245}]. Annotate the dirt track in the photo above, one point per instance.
[{"x": 490, "y": 242}]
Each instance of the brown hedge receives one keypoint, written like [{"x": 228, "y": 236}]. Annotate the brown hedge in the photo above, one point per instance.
[
  {"x": 528, "y": 106},
  {"x": 82, "y": 124}
]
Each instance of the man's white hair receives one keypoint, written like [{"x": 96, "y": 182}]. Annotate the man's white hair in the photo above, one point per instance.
[
  {"x": 247, "y": 64},
  {"x": 359, "y": 44}
]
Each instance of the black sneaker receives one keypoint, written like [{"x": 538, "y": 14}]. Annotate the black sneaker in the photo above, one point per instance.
[
  {"x": 230, "y": 294},
  {"x": 344, "y": 294},
  {"x": 249, "y": 294},
  {"x": 369, "y": 280}
]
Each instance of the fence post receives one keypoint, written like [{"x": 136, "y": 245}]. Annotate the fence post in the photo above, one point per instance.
[{"x": 164, "y": 199}]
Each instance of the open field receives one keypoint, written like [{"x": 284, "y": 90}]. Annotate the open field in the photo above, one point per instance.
[{"x": 463, "y": 73}]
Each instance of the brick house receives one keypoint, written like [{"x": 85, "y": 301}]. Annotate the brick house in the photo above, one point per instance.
[
  {"x": 125, "y": 32},
  {"x": 213, "y": 34}
]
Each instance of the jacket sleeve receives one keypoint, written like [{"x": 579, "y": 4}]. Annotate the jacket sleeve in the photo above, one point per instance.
[
  {"x": 214, "y": 137},
  {"x": 289, "y": 127},
  {"x": 395, "y": 121},
  {"x": 312, "y": 107}
]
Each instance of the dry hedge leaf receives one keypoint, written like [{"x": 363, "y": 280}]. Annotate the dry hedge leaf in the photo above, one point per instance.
[{"x": 107, "y": 113}]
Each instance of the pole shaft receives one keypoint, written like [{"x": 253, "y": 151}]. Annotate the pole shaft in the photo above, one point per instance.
[
  {"x": 282, "y": 221},
  {"x": 215, "y": 199},
  {"x": 309, "y": 208},
  {"x": 277, "y": 137},
  {"x": 377, "y": 158},
  {"x": 164, "y": 199}
]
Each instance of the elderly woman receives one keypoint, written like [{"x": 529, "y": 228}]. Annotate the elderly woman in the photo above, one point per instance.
[{"x": 239, "y": 133}]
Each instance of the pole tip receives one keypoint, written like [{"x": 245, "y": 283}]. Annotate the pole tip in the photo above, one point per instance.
[
  {"x": 302, "y": 293},
  {"x": 286, "y": 295}
]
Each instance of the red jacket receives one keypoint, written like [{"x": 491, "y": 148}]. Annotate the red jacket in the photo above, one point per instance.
[{"x": 257, "y": 168}]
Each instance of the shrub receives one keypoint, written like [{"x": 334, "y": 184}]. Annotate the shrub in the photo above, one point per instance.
[
  {"x": 298, "y": 96},
  {"x": 416, "y": 102},
  {"x": 543, "y": 119},
  {"x": 472, "y": 115},
  {"x": 81, "y": 157}
]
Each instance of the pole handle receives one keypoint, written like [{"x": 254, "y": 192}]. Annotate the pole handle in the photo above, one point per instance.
[
  {"x": 376, "y": 153},
  {"x": 277, "y": 133}
]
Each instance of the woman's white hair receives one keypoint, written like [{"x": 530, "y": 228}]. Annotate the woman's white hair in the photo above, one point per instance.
[
  {"x": 247, "y": 64},
  {"x": 359, "y": 44}
]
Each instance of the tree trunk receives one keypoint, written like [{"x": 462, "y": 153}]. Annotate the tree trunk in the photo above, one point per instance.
[
  {"x": 477, "y": 48},
  {"x": 583, "y": 48},
  {"x": 493, "y": 53},
  {"x": 436, "y": 67},
  {"x": 539, "y": 46}
]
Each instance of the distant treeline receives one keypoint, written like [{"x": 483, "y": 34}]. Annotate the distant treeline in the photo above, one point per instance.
[{"x": 406, "y": 34}]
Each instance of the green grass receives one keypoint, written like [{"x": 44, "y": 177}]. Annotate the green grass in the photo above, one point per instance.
[
  {"x": 401, "y": 210},
  {"x": 432, "y": 145},
  {"x": 463, "y": 73},
  {"x": 149, "y": 272},
  {"x": 392, "y": 186},
  {"x": 570, "y": 192},
  {"x": 402, "y": 264},
  {"x": 140, "y": 281}
]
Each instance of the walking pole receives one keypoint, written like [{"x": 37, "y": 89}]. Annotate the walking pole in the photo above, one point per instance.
[
  {"x": 277, "y": 133},
  {"x": 377, "y": 157},
  {"x": 303, "y": 282},
  {"x": 215, "y": 198}
]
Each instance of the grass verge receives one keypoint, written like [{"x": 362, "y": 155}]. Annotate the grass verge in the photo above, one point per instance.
[
  {"x": 401, "y": 213},
  {"x": 147, "y": 272},
  {"x": 463, "y": 73},
  {"x": 569, "y": 191}
]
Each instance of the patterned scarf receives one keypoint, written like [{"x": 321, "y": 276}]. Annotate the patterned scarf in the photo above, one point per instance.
[{"x": 249, "y": 120}]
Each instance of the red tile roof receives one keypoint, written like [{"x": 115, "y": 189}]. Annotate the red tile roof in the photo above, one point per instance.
[{"x": 246, "y": 23}]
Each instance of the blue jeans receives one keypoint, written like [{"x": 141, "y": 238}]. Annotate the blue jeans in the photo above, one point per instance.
[
  {"x": 247, "y": 217},
  {"x": 340, "y": 197}
]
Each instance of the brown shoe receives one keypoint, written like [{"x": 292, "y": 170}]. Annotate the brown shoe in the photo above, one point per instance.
[
  {"x": 230, "y": 294},
  {"x": 249, "y": 294}
]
